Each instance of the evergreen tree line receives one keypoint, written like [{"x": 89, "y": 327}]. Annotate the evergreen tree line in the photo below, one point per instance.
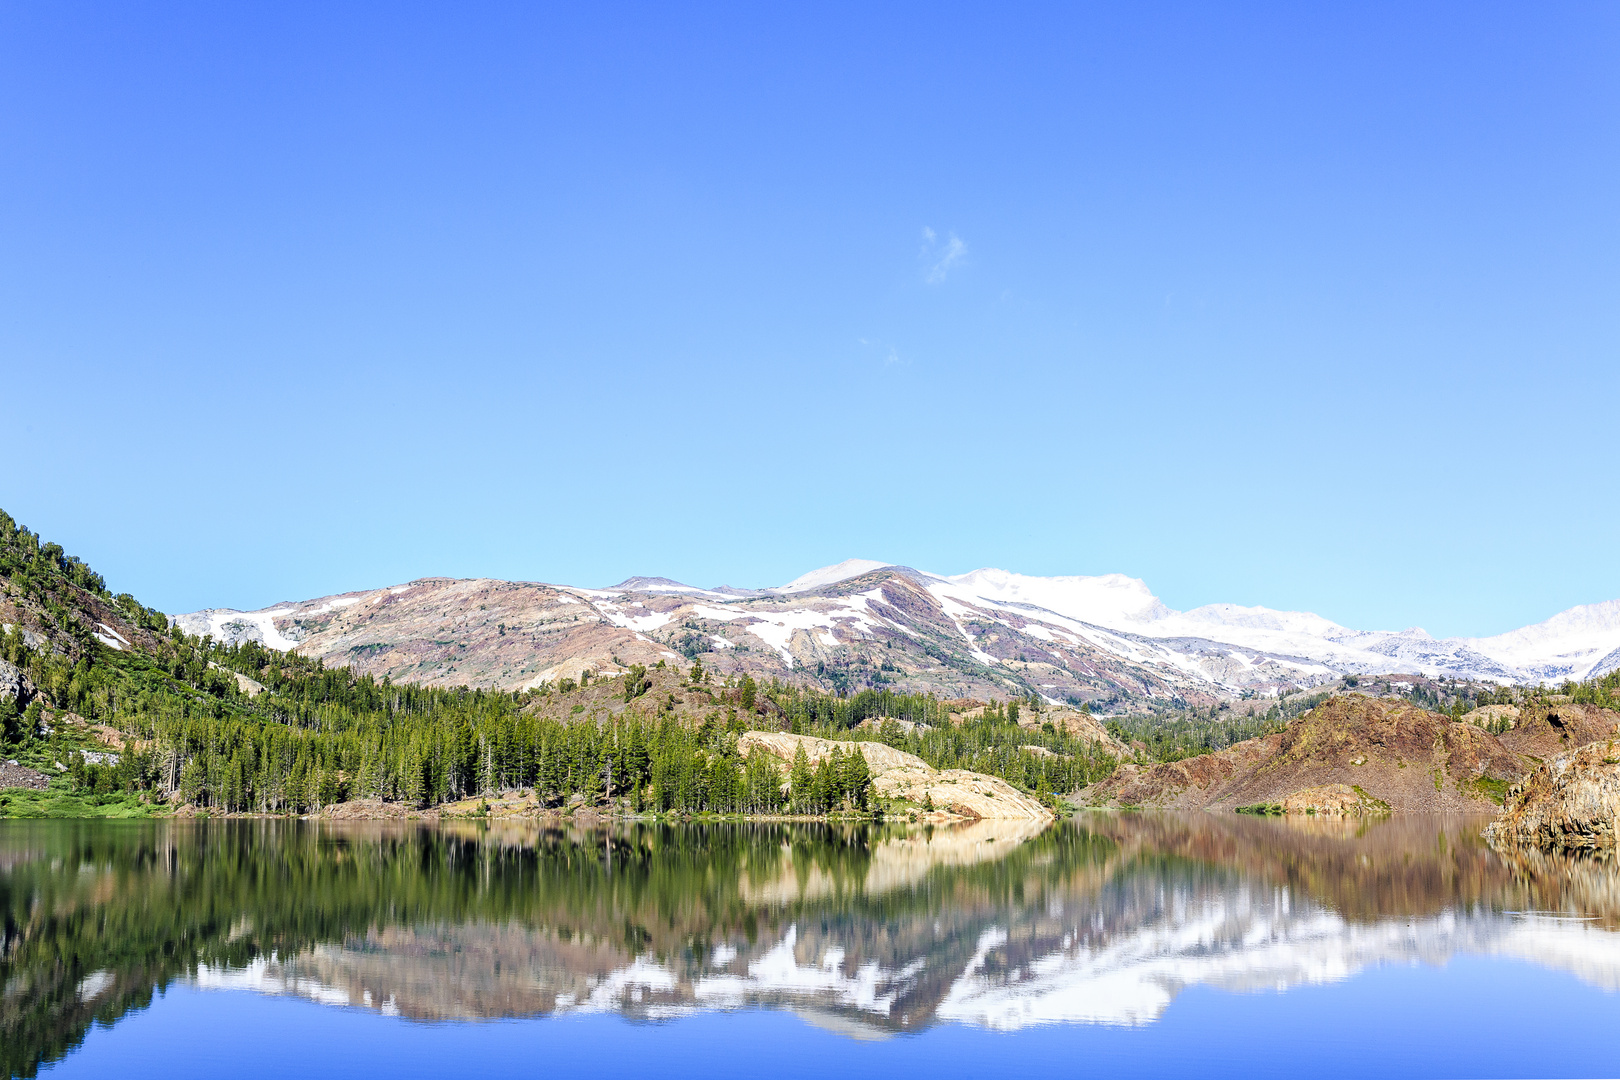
[
  {"x": 317, "y": 736},
  {"x": 1040, "y": 761},
  {"x": 1175, "y": 736},
  {"x": 27, "y": 560}
]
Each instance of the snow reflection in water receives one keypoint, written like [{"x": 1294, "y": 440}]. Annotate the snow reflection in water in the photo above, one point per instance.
[{"x": 1104, "y": 920}]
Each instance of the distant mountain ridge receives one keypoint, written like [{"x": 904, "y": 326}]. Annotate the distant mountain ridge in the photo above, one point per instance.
[{"x": 862, "y": 622}]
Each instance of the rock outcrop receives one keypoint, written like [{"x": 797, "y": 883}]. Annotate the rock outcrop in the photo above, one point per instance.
[
  {"x": 1546, "y": 730},
  {"x": 1333, "y": 800},
  {"x": 1492, "y": 717},
  {"x": 899, "y": 775},
  {"x": 1408, "y": 758},
  {"x": 1081, "y": 725},
  {"x": 1572, "y": 801},
  {"x": 1193, "y": 783},
  {"x": 14, "y": 683}
]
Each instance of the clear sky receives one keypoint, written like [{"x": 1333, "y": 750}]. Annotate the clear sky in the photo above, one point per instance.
[{"x": 1314, "y": 306}]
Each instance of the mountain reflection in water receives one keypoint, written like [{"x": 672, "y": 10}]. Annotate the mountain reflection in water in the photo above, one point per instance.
[{"x": 867, "y": 929}]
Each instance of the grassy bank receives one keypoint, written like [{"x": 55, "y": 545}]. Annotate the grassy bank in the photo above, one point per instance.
[{"x": 59, "y": 801}]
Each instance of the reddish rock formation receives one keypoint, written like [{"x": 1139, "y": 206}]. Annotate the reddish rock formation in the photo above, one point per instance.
[{"x": 1409, "y": 758}]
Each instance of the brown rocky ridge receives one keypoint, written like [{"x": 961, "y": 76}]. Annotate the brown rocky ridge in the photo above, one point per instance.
[
  {"x": 1382, "y": 750},
  {"x": 1571, "y": 801}
]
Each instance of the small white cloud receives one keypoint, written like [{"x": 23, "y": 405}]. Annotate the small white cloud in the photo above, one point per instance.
[
  {"x": 887, "y": 354},
  {"x": 940, "y": 258}
]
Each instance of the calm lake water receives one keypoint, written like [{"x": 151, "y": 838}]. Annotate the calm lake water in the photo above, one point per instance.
[{"x": 1204, "y": 944}]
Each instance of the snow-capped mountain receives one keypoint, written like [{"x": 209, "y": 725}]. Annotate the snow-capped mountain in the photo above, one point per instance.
[
  {"x": 869, "y": 623},
  {"x": 1576, "y": 644}
]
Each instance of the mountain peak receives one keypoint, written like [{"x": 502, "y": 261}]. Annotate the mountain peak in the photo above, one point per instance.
[
  {"x": 831, "y": 575},
  {"x": 667, "y": 586}
]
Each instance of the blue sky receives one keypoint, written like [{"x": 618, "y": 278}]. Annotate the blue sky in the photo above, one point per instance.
[{"x": 1309, "y": 306}]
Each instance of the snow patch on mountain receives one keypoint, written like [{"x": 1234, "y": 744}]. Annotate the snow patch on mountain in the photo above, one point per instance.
[
  {"x": 640, "y": 623},
  {"x": 110, "y": 637},
  {"x": 233, "y": 627}
]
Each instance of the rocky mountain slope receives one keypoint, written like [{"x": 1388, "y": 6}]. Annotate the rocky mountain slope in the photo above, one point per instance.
[
  {"x": 1386, "y": 752},
  {"x": 861, "y": 623}
]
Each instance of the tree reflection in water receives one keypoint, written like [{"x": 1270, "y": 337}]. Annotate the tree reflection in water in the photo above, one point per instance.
[{"x": 870, "y": 929}]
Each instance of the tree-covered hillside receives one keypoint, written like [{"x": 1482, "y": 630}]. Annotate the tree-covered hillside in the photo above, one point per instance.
[{"x": 243, "y": 728}]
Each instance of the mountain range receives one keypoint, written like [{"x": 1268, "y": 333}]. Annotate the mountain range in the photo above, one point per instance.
[{"x": 1104, "y": 640}]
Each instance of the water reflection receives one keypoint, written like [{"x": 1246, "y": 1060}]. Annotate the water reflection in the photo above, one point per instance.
[{"x": 866, "y": 930}]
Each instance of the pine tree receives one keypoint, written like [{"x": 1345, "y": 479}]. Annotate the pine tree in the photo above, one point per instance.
[
  {"x": 829, "y": 781},
  {"x": 191, "y": 782},
  {"x": 857, "y": 778},
  {"x": 800, "y": 780}
]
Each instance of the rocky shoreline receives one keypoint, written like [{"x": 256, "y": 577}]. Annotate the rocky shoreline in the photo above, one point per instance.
[{"x": 1570, "y": 802}]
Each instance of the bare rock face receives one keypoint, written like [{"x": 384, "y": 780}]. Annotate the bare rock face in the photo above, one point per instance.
[
  {"x": 1193, "y": 783},
  {"x": 899, "y": 775},
  {"x": 14, "y": 683},
  {"x": 1573, "y": 801},
  {"x": 1492, "y": 716},
  {"x": 1333, "y": 800}
]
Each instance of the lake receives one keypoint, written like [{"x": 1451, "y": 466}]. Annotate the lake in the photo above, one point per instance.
[{"x": 1118, "y": 945}]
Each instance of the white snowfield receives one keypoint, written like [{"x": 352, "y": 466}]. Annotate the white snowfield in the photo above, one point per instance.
[
  {"x": 1225, "y": 646},
  {"x": 229, "y": 625}
]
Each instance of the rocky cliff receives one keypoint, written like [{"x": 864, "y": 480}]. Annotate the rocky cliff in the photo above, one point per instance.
[{"x": 1571, "y": 801}]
